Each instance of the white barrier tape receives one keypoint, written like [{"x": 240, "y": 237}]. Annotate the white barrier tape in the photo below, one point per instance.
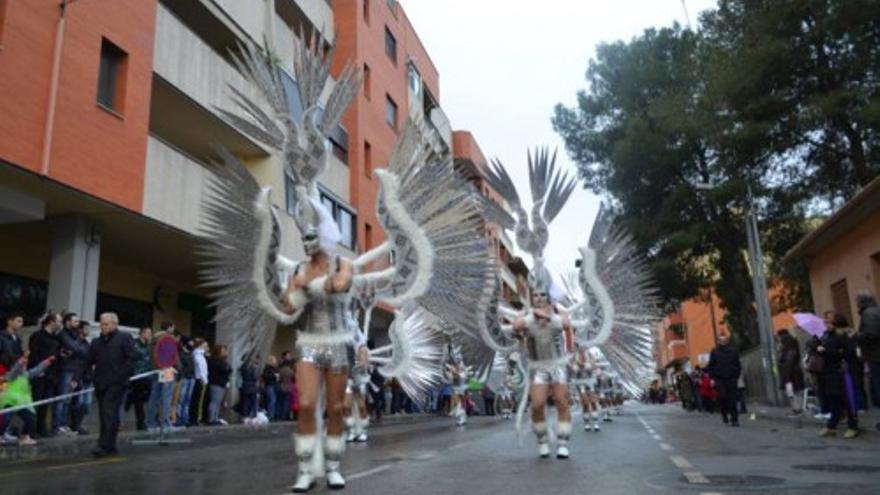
[{"x": 70, "y": 395}]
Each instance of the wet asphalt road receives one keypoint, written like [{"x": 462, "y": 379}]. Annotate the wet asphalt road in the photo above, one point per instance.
[{"x": 648, "y": 450}]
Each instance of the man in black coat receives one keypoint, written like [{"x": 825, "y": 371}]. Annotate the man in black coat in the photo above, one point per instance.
[
  {"x": 868, "y": 337},
  {"x": 112, "y": 355},
  {"x": 724, "y": 368},
  {"x": 42, "y": 345},
  {"x": 10, "y": 342},
  {"x": 74, "y": 355}
]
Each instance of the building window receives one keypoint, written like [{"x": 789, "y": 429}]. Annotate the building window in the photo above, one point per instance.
[
  {"x": 2, "y": 18},
  {"x": 23, "y": 295},
  {"x": 367, "y": 81},
  {"x": 414, "y": 79},
  {"x": 368, "y": 237},
  {"x": 345, "y": 218},
  {"x": 391, "y": 112},
  {"x": 368, "y": 160},
  {"x": 111, "y": 77},
  {"x": 390, "y": 45},
  {"x": 131, "y": 312},
  {"x": 367, "y": 11}
]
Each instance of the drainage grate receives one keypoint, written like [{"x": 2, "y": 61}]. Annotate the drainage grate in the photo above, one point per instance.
[
  {"x": 742, "y": 481},
  {"x": 839, "y": 468}
]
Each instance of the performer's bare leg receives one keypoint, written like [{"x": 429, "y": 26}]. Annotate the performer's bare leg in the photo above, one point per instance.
[
  {"x": 563, "y": 419},
  {"x": 538, "y": 394}
]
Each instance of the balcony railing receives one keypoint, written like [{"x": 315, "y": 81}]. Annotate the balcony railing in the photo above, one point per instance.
[
  {"x": 173, "y": 186},
  {"x": 193, "y": 67}
]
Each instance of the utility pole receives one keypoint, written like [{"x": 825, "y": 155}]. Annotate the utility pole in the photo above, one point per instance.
[{"x": 762, "y": 303}]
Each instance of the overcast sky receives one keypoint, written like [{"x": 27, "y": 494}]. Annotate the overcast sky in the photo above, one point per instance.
[{"x": 504, "y": 65}]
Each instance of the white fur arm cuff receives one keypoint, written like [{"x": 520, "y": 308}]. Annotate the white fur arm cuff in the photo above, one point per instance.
[{"x": 297, "y": 299}]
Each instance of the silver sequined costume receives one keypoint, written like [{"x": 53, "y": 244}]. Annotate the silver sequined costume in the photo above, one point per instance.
[
  {"x": 325, "y": 338},
  {"x": 545, "y": 345}
]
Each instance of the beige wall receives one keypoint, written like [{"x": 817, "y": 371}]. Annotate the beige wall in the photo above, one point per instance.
[
  {"x": 173, "y": 187},
  {"x": 848, "y": 257}
]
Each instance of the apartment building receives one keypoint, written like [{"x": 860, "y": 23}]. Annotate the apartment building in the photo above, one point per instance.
[{"x": 108, "y": 113}]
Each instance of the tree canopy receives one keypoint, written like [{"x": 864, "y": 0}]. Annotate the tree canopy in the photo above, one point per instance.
[{"x": 676, "y": 125}]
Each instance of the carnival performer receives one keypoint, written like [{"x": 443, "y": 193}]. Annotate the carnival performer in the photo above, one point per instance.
[
  {"x": 440, "y": 262},
  {"x": 357, "y": 418},
  {"x": 606, "y": 394},
  {"x": 582, "y": 367},
  {"x": 505, "y": 398},
  {"x": 544, "y": 331},
  {"x": 320, "y": 289},
  {"x": 458, "y": 374}
]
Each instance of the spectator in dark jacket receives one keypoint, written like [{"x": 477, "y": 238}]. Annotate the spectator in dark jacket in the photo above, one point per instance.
[
  {"x": 140, "y": 388},
  {"x": 73, "y": 357},
  {"x": 42, "y": 345},
  {"x": 250, "y": 385},
  {"x": 791, "y": 377},
  {"x": 724, "y": 368},
  {"x": 80, "y": 407},
  {"x": 10, "y": 342},
  {"x": 187, "y": 379},
  {"x": 839, "y": 354},
  {"x": 285, "y": 387},
  {"x": 270, "y": 378},
  {"x": 868, "y": 338},
  {"x": 112, "y": 355},
  {"x": 218, "y": 378}
]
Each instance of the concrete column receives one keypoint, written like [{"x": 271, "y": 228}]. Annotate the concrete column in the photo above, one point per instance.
[{"x": 73, "y": 272}]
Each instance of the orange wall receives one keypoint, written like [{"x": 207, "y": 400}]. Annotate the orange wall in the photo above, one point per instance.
[
  {"x": 848, "y": 257},
  {"x": 92, "y": 150},
  {"x": 361, "y": 42}
]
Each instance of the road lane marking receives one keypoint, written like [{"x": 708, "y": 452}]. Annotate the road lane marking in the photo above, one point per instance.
[
  {"x": 681, "y": 462},
  {"x": 666, "y": 446},
  {"x": 657, "y": 437},
  {"x": 369, "y": 472},
  {"x": 711, "y": 493},
  {"x": 696, "y": 478},
  {"x": 62, "y": 466}
]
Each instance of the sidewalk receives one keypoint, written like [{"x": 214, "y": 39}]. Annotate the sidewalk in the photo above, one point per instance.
[
  {"x": 66, "y": 444},
  {"x": 782, "y": 415}
]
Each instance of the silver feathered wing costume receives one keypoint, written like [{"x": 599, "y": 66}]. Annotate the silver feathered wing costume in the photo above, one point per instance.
[
  {"x": 612, "y": 300},
  {"x": 441, "y": 270}
]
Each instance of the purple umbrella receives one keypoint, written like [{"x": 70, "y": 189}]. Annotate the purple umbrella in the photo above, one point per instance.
[{"x": 810, "y": 323}]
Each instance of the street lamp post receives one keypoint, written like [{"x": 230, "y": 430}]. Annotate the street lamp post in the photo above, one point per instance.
[
  {"x": 762, "y": 299},
  {"x": 762, "y": 303}
]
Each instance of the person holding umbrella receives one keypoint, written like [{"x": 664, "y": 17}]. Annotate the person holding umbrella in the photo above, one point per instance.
[{"x": 835, "y": 380}]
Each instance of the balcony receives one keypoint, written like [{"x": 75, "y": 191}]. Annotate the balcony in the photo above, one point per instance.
[
  {"x": 188, "y": 64},
  {"x": 173, "y": 186},
  {"x": 310, "y": 14}
]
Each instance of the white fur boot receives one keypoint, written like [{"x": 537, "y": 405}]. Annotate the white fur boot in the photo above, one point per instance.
[
  {"x": 595, "y": 417},
  {"x": 563, "y": 433},
  {"x": 362, "y": 425},
  {"x": 460, "y": 416},
  {"x": 305, "y": 450},
  {"x": 351, "y": 429},
  {"x": 334, "y": 447},
  {"x": 540, "y": 430}
]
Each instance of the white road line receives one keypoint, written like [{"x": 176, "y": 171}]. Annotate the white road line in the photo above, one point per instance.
[
  {"x": 696, "y": 478},
  {"x": 681, "y": 462},
  {"x": 710, "y": 493},
  {"x": 657, "y": 437},
  {"x": 666, "y": 446},
  {"x": 369, "y": 472}
]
